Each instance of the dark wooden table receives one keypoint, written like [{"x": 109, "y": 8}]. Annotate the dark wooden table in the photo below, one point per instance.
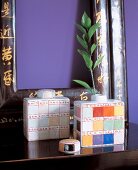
[{"x": 17, "y": 153}]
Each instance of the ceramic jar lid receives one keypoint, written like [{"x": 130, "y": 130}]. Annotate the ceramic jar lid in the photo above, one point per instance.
[{"x": 46, "y": 93}]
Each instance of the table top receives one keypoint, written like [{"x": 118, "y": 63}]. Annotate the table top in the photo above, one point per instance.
[{"x": 15, "y": 148}]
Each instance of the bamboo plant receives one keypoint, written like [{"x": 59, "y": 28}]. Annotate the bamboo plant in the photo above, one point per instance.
[{"x": 87, "y": 31}]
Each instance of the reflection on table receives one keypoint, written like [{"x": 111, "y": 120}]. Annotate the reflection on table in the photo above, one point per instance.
[{"x": 16, "y": 147}]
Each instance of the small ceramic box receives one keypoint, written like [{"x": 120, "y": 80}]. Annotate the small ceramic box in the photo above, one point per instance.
[
  {"x": 46, "y": 118},
  {"x": 99, "y": 123}
]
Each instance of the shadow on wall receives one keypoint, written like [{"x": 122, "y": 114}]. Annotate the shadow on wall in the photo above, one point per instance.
[{"x": 46, "y": 43}]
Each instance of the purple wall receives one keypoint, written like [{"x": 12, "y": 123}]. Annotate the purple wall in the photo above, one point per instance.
[
  {"x": 131, "y": 23},
  {"x": 46, "y": 43}
]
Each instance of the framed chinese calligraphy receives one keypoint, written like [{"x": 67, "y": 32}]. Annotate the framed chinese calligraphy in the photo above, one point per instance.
[{"x": 11, "y": 98}]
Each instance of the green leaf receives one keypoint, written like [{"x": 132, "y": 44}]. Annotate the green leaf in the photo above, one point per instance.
[
  {"x": 84, "y": 84},
  {"x": 85, "y": 37},
  {"x": 98, "y": 61},
  {"x": 94, "y": 91},
  {"x": 86, "y": 58},
  {"x": 86, "y": 21},
  {"x": 93, "y": 47},
  {"x": 81, "y": 28},
  {"x": 82, "y": 42},
  {"x": 93, "y": 29}
]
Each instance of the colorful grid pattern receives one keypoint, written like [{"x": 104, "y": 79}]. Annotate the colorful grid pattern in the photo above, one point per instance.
[
  {"x": 46, "y": 118},
  {"x": 100, "y": 123}
]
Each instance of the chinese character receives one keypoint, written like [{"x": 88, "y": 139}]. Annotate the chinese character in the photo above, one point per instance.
[
  {"x": 98, "y": 16},
  {"x": 83, "y": 97},
  {"x": 100, "y": 79},
  {"x": 6, "y": 54},
  {"x": 99, "y": 40},
  {"x": 5, "y": 32},
  {"x": 6, "y": 9},
  {"x": 119, "y": 96},
  {"x": 33, "y": 95},
  {"x": 59, "y": 93},
  {"x": 119, "y": 84},
  {"x": 8, "y": 77}
]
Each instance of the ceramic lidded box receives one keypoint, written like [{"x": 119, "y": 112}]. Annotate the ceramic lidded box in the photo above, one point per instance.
[
  {"x": 99, "y": 123},
  {"x": 46, "y": 116}
]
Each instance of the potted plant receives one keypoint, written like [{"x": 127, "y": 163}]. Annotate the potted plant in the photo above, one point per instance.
[{"x": 88, "y": 47}]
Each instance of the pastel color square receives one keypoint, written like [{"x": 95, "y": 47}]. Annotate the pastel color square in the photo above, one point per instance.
[
  {"x": 64, "y": 108},
  {"x": 54, "y": 121},
  {"x": 87, "y": 126},
  {"x": 64, "y": 120},
  {"x": 43, "y": 107},
  {"x": 87, "y": 112},
  {"x": 97, "y": 139},
  {"x": 44, "y": 121},
  {"x": 119, "y": 110},
  {"x": 33, "y": 109},
  {"x": 108, "y": 111},
  {"x": 33, "y": 136},
  {"x": 108, "y": 139},
  {"x": 98, "y": 112},
  {"x": 87, "y": 140},
  {"x": 33, "y": 123},
  {"x": 108, "y": 124},
  {"x": 53, "y": 109},
  {"x": 53, "y": 132},
  {"x": 97, "y": 125},
  {"x": 119, "y": 137},
  {"x": 118, "y": 124},
  {"x": 44, "y": 134}
]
